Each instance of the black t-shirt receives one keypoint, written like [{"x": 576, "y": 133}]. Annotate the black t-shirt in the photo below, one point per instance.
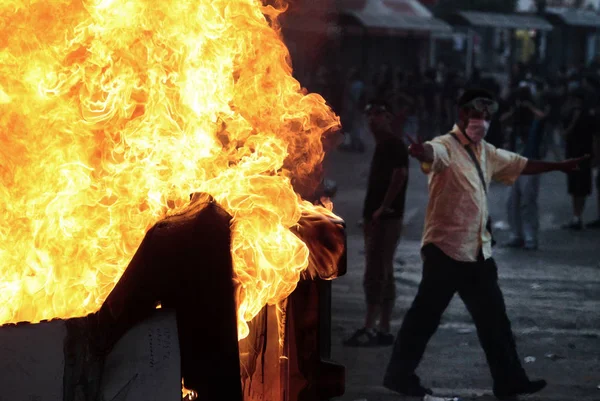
[
  {"x": 581, "y": 139},
  {"x": 592, "y": 105},
  {"x": 389, "y": 155}
]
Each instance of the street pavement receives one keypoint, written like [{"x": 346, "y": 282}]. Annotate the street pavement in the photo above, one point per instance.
[{"x": 552, "y": 297}]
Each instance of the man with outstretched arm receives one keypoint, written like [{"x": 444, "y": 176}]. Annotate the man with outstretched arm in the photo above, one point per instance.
[{"x": 457, "y": 249}]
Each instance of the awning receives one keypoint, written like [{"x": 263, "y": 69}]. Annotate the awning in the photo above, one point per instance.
[
  {"x": 574, "y": 17},
  {"x": 497, "y": 20},
  {"x": 394, "y": 15},
  {"x": 401, "y": 22}
]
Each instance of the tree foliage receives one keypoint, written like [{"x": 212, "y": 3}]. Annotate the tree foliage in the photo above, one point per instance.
[{"x": 445, "y": 7}]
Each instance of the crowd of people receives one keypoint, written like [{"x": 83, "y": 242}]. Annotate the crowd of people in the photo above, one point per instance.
[
  {"x": 552, "y": 116},
  {"x": 465, "y": 134}
]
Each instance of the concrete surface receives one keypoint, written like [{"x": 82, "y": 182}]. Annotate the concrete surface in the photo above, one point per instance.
[{"x": 552, "y": 297}]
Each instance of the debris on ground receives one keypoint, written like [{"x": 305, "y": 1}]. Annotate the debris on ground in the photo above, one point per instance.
[
  {"x": 553, "y": 357},
  {"x": 535, "y": 286},
  {"x": 529, "y": 359}
]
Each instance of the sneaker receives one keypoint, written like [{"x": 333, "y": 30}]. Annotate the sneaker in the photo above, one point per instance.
[
  {"x": 362, "y": 338},
  {"x": 593, "y": 224},
  {"x": 528, "y": 387},
  {"x": 385, "y": 339},
  {"x": 409, "y": 387}
]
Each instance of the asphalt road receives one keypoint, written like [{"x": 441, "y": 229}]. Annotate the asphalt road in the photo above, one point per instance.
[{"x": 552, "y": 297}]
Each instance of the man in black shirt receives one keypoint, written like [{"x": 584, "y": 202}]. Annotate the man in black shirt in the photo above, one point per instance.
[
  {"x": 383, "y": 212},
  {"x": 591, "y": 84},
  {"x": 579, "y": 141}
]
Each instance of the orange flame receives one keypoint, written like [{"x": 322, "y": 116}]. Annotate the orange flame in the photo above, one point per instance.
[{"x": 112, "y": 112}]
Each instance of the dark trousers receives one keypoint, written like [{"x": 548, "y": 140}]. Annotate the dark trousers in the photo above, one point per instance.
[
  {"x": 381, "y": 240},
  {"x": 477, "y": 285}
]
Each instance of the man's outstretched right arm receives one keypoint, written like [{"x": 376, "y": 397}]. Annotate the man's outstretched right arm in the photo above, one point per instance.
[{"x": 534, "y": 167}]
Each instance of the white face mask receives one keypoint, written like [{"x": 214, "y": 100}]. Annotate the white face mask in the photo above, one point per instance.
[{"x": 477, "y": 129}]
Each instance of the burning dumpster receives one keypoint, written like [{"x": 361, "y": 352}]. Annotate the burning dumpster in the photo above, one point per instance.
[
  {"x": 284, "y": 357},
  {"x": 112, "y": 112}
]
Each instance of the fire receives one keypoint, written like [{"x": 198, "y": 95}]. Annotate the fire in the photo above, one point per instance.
[{"x": 112, "y": 112}]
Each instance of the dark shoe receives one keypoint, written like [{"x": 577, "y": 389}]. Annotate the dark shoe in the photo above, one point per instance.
[
  {"x": 410, "y": 387},
  {"x": 385, "y": 339},
  {"x": 514, "y": 243},
  {"x": 528, "y": 387},
  {"x": 362, "y": 338},
  {"x": 593, "y": 224},
  {"x": 574, "y": 225}
]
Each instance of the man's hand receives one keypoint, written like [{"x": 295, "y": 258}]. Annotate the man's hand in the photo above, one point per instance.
[
  {"x": 416, "y": 148},
  {"x": 378, "y": 213},
  {"x": 423, "y": 152},
  {"x": 570, "y": 165}
]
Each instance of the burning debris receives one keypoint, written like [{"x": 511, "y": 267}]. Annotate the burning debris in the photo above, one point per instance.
[
  {"x": 112, "y": 112},
  {"x": 184, "y": 264}
]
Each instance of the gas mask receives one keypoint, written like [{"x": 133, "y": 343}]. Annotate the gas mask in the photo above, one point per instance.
[{"x": 477, "y": 129}]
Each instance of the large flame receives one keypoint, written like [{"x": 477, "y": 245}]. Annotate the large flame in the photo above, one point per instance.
[{"x": 112, "y": 112}]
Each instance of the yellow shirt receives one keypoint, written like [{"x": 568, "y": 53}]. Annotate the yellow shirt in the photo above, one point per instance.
[{"x": 457, "y": 211}]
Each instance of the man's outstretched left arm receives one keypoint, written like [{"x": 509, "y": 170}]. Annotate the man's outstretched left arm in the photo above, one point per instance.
[{"x": 534, "y": 167}]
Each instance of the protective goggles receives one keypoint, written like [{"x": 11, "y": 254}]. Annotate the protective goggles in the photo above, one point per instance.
[{"x": 482, "y": 105}]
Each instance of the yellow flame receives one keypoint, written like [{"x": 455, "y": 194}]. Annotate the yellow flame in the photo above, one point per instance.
[{"x": 113, "y": 111}]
